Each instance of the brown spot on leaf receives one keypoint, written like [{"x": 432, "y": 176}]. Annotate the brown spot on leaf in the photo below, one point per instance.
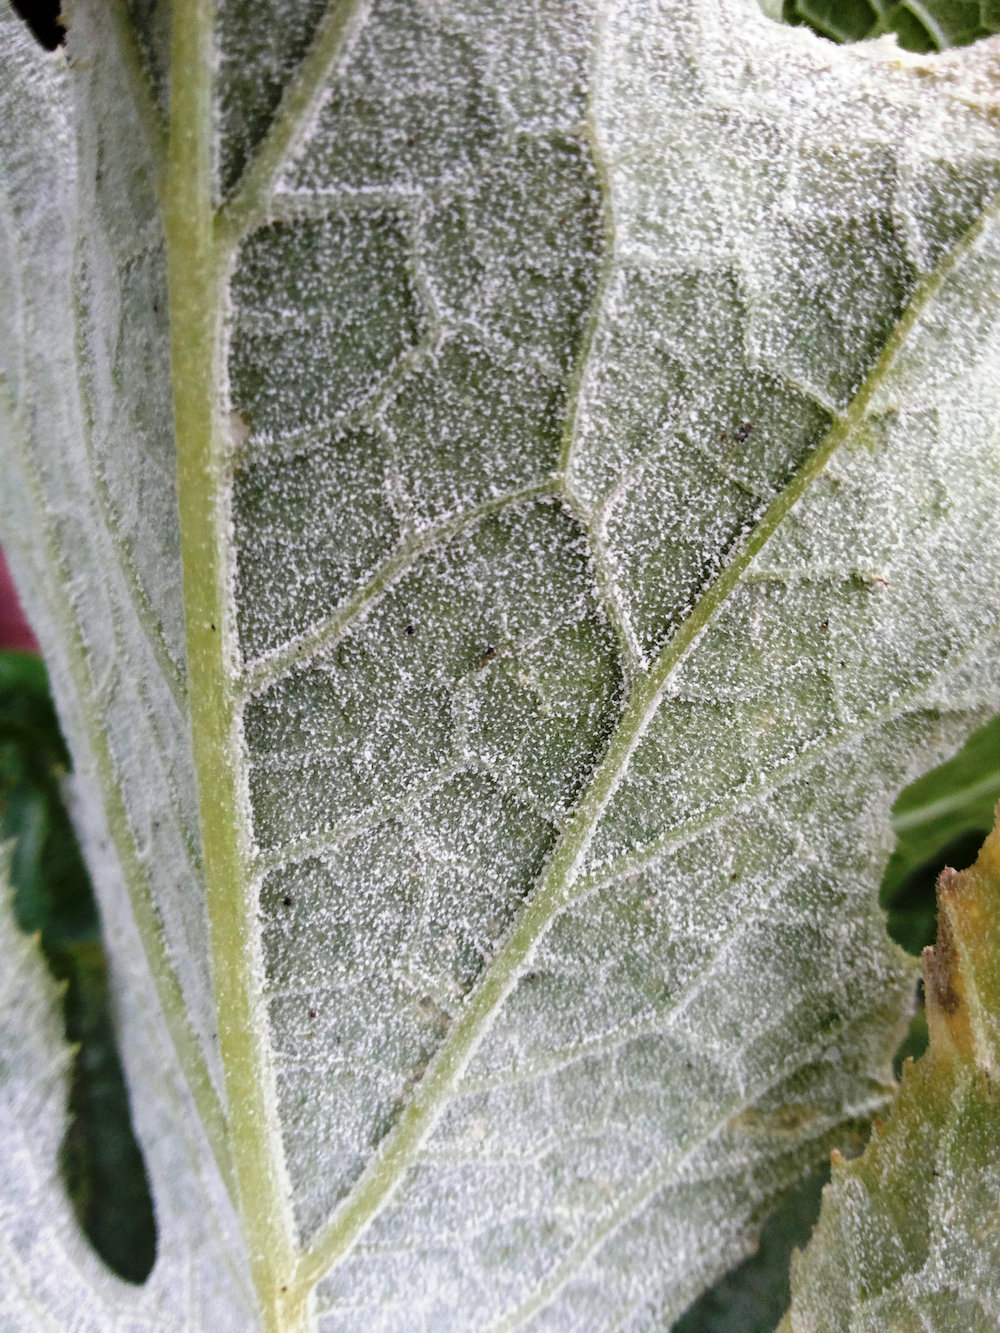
[{"x": 940, "y": 960}]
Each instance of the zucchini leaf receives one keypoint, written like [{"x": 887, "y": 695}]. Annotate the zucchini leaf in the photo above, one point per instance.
[
  {"x": 918, "y": 25},
  {"x": 508, "y": 496}
]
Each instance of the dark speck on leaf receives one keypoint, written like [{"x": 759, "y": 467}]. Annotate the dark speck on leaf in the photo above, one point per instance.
[
  {"x": 411, "y": 629},
  {"x": 287, "y": 900},
  {"x": 744, "y": 431}
]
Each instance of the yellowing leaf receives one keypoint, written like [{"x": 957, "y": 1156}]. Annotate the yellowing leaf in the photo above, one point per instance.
[{"x": 909, "y": 1232}]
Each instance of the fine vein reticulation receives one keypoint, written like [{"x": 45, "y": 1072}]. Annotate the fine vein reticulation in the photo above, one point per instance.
[
  {"x": 586, "y": 478},
  {"x": 203, "y": 242}
]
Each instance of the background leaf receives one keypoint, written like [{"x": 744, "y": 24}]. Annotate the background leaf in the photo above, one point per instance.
[
  {"x": 941, "y": 819},
  {"x": 753, "y": 1297},
  {"x": 918, "y": 25}
]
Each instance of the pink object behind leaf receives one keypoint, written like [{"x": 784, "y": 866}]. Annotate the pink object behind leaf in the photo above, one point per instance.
[{"x": 15, "y": 632}]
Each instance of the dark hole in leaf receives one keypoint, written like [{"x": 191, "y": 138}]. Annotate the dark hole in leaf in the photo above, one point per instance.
[
  {"x": 101, "y": 1161},
  {"x": 43, "y": 18},
  {"x": 912, "y": 908},
  {"x": 752, "y": 1297}
]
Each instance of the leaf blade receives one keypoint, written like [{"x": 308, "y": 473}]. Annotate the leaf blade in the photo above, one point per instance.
[{"x": 551, "y": 424}]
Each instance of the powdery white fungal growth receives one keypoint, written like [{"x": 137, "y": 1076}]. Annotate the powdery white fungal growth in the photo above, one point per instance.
[{"x": 591, "y": 528}]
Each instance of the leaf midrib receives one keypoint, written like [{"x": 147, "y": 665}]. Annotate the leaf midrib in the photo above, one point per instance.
[
  {"x": 196, "y": 276},
  {"x": 201, "y": 242}
]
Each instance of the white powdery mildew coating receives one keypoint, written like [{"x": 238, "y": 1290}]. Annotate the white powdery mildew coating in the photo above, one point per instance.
[
  {"x": 402, "y": 375},
  {"x": 549, "y": 305},
  {"x": 87, "y": 289},
  {"x": 690, "y": 1030},
  {"x": 759, "y": 263},
  {"x": 469, "y": 704},
  {"x": 928, "y": 1260},
  {"x": 52, "y": 1278}
]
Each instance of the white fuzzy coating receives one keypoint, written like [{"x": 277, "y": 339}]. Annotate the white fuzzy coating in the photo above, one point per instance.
[{"x": 548, "y": 308}]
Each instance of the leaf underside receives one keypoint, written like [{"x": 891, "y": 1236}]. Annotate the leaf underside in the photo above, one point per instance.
[
  {"x": 584, "y": 446},
  {"x": 52, "y": 1279}
]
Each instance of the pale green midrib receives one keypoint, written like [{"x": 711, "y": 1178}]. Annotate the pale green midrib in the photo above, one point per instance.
[
  {"x": 271, "y": 667},
  {"x": 386, "y": 1169},
  {"x": 945, "y": 805},
  {"x": 186, "y": 1044},
  {"x": 197, "y": 274},
  {"x": 248, "y": 205},
  {"x": 246, "y": 208},
  {"x": 168, "y": 988}
]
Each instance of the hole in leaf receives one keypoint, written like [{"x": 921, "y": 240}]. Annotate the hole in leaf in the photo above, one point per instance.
[
  {"x": 43, "y": 18},
  {"x": 919, "y": 25},
  {"x": 101, "y": 1161},
  {"x": 912, "y": 907},
  {"x": 753, "y": 1296}
]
